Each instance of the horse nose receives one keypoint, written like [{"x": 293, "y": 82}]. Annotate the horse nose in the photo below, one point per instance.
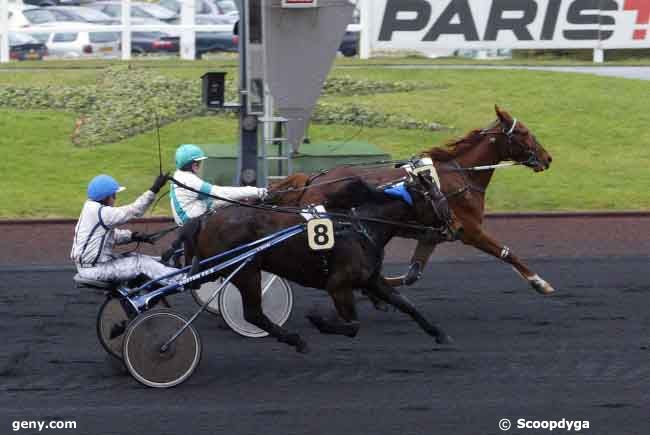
[{"x": 550, "y": 159}]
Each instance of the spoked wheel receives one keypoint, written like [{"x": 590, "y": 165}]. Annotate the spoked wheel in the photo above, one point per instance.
[
  {"x": 144, "y": 357},
  {"x": 277, "y": 302},
  {"x": 112, "y": 322}
]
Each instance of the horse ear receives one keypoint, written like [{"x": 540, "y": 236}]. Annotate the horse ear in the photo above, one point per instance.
[{"x": 503, "y": 115}]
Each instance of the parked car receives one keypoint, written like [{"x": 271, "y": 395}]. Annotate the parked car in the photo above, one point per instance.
[
  {"x": 25, "y": 16},
  {"x": 77, "y": 44},
  {"x": 82, "y": 14},
  {"x": 227, "y": 7},
  {"x": 141, "y": 42},
  {"x": 202, "y": 8},
  {"x": 25, "y": 47},
  {"x": 26, "y": 3},
  {"x": 350, "y": 44},
  {"x": 154, "y": 42},
  {"x": 42, "y": 3},
  {"x": 207, "y": 42},
  {"x": 138, "y": 10}
]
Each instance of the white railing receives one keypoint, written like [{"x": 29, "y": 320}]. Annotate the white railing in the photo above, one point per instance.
[{"x": 186, "y": 28}]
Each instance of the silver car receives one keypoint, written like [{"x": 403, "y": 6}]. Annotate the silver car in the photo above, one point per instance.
[
  {"x": 205, "y": 9},
  {"x": 81, "y": 44}
]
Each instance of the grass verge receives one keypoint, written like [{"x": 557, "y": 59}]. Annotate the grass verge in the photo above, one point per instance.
[{"x": 595, "y": 128}]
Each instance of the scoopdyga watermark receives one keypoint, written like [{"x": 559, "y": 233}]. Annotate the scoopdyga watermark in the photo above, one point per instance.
[{"x": 549, "y": 425}]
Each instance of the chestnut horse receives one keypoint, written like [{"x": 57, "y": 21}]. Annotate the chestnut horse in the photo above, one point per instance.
[
  {"x": 507, "y": 139},
  {"x": 354, "y": 262}
]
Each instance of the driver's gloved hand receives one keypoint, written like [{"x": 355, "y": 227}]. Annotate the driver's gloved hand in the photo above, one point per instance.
[
  {"x": 142, "y": 237},
  {"x": 262, "y": 193},
  {"x": 159, "y": 182}
]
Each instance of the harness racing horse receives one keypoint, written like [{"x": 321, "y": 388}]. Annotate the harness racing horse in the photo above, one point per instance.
[
  {"x": 465, "y": 169},
  {"x": 354, "y": 262}
]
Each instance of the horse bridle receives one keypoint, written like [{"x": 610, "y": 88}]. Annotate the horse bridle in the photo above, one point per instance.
[{"x": 532, "y": 160}]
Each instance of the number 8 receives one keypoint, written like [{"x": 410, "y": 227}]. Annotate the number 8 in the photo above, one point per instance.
[{"x": 321, "y": 236}]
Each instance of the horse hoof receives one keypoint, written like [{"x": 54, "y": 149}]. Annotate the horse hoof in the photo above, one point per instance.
[
  {"x": 381, "y": 306},
  {"x": 353, "y": 329},
  {"x": 541, "y": 286},
  {"x": 302, "y": 347},
  {"x": 443, "y": 338}
]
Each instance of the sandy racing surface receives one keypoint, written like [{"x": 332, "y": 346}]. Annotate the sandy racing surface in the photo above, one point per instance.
[{"x": 582, "y": 354}]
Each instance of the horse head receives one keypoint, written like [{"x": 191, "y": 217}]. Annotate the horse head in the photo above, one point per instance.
[{"x": 517, "y": 143}]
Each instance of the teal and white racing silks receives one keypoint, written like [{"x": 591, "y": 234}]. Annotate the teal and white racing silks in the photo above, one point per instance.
[{"x": 187, "y": 204}]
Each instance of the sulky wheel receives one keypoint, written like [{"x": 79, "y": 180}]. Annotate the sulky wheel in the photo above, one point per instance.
[
  {"x": 112, "y": 321},
  {"x": 144, "y": 357},
  {"x": 277, "y": 302}
]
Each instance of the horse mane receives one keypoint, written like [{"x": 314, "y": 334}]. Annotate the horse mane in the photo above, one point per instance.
[
  {"x": 455, "y": 147},
  {"x": 294, "y": 181},
  {"x": 285, "y": 195}
]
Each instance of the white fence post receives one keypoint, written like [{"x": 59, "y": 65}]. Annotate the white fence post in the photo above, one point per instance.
[
  {"x": 365, "y": 17},
  {"x": 188, "y": 37},
  {"x": 4, "y": 31},
  {"x": 599, "y": 55},
  {"x": 126, "y": 32}
]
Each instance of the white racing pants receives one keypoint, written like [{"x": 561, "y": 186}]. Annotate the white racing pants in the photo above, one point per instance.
[{"x": 129, "y": 267}]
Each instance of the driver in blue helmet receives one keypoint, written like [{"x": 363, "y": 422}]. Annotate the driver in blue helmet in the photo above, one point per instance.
[
  {"x": 187, "y": 204},
  {"x": 97, "y": 231}
]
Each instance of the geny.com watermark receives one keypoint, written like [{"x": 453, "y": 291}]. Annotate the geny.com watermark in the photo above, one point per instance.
[
  {"x": 550, "y": 425},
  {"x": 40, "y": 425}
]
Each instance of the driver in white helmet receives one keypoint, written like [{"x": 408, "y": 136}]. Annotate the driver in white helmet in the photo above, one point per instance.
[
  {"x": 96, "y": 233},
  {"x": 187, "y": 204}
]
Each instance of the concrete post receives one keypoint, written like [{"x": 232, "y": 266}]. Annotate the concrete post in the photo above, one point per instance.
[
  {"x": 599, "y": 55},
  {"x": 126, "y": 33},
  {"x": 4, "y": 31},
  {"x": 188, "y": 37},
  {"x": 365, "y": 17}
]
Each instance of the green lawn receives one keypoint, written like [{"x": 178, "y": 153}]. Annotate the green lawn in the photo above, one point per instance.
[{"x": 596, "y": 129}]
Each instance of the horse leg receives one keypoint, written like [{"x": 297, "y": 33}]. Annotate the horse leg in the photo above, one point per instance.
[
  {"x": 343, "y": 298},
  {"x": 249, "y": 283},
  {"x": 421, "y": 256},
  {"x": 383, "y": 290},
  {"x": 485, "y": 243}
]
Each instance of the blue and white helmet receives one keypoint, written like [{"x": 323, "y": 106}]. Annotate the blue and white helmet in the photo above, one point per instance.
[{"x": 103, "y": 186}]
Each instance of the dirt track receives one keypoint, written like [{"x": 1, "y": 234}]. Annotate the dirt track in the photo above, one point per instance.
[
  {"x": 39, "y": 244},
  {"x": 581, "y": 354}
]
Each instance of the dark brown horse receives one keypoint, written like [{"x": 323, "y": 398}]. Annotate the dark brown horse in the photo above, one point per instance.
[
  {"x": 506, "y": 140},
  {"x": 354, "y": 262}
]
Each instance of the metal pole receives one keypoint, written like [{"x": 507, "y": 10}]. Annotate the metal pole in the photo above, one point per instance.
[
  {"x": 188, "y": 37},
  {"x": 4, "y": 31},
  {"x": 225, "y": 282},
  {"x": 126, "y": 33},
  {"x": 248, "y": 137}
]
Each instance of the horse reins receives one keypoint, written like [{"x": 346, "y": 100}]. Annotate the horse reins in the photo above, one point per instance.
[{"x": 299, "y": 211}]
